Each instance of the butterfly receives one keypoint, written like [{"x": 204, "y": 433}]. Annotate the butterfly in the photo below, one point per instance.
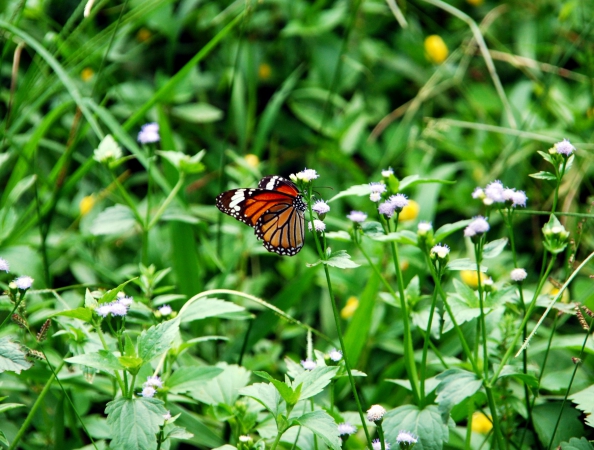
[{"x": 275, "y": 211}]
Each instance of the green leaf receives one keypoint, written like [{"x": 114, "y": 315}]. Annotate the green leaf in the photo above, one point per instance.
[
  {"x": 117, "y": 219},
  {"x": 577, "y": 444},
  {"x": 90, "y": 301},
  {"x": 289, "y": 395},
  {"x": 416, "y": 179},
  {"x": 12, "y": 358},
  {"x": 547, "y": 157},
  {"x": 314, "y": 381},
  {"x": 372, "y": 228},
  {"x": 341, "y": 260},
  {"x": 267, "y": 395},
  {"x": 135, "y": 422},
  {"x": 19, "y": 189},
  {"x": 584, "y": 401},
  {"x": 8, "y": 406},
  {"x": 210, "y": 307},
  {"x": 359, "y": 191},
  {"x": 545, "y": 420},
  {"x": 338, "y": 235},
  {"x": 323, "y": 426},
  {"x": 543, "y": 175},
  {"x": 463, "y": 264},
  {"x": 81, "y": 313},
  {"x": 176, "y": 432},
  {"x": 110, "y": 295},
  {"x": 454, "y": 386},
  {"x": 525, "y": 378},
  {"x": 427, "y": 424},
  {"x": 157, "y": 339},
  {"x": 186, "y": 379},
  {"x": 224, "y": 388},
  {"x": 197, "y": 113},
  {"x": 402, "y": 237},
  {"x": 3, "y": 439},
  {"x": 494, "y": 248},
  {"x": 101, "y": 360},
  {"x": 449, "y": 228}
]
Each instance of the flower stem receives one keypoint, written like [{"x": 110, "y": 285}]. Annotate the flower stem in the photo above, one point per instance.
[
  {"x": 167, "y": 201},
  {"x": 34, "y": 408},
  {"x": 482, "y": 321}
]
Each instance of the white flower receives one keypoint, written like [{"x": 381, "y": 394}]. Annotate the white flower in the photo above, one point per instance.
[
  {"x": 149, "y": 391},
  {"x": 406, "y": 437},
  {"x": 119, "y": 309},
  {"x": 478, "y": 226},
  {"x": 4, "y": 265},
  {"x": 377, "y": 445},
  {"x": 399, "y": 201},
  {"x": 165, "y": 310},
  {"x": 104, "y": 309},
  {"x": 494, "y": 191},
  {"x": 508, "y": 194},
  {"x": 308, "y": 364},
  {"x": 387, "y": 172},
  {"x": 357, "y": 216},
  {"x": 320, "y": 207},
  {"x": 126, "y": 301},
  {"x": 442, "y": 251},
  {"x": 375, "y": 196},
  {"x": 149, "y": 133},
  {"x": 519, "y": 198},
  {"x": 108, "y": 150},
  {"x": 386, "y": 209},
  {"x": 564, "y": 147},
  {"x": 380, "y": 188},
  {"x": 307, "y": 175},
  {"x": 23, "y": 282},
  {"x": 245, "y": 438},
  {"x": 346, "y": 428},
  {"x": 424, "y": 227},
  {"x": 518, "y": 274},
  {"x": 375, "y": 413},
  {"x": 153, "y": 380},
  {"x": 167, "y": 416},
  {"x": 335, "y": 355},
  {"x": 478, "y": 193},
  {"x": 318, "y": 225}
]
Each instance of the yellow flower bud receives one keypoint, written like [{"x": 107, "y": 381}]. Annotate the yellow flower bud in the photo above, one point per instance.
[
  {"x": 435, "y": 49},
  {"x": 143, "y": 35},
  {"x": 548, "y": 288},
  {"x": 481, "y": 423},
  {"x": 252, "y": 160},
  {"x": 349, "y": 309},
  {"x": 409, "y": 212},
  {"x": 264, "y": 71},
  {"x": 87, "y": 73},
  {"x": 470, "y": 278},
  {"x": 86, "y": 204}
]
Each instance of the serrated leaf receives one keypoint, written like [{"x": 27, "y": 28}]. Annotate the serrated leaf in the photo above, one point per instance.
[
  {"x": 80, "y": 313},
  {"x": 117, "y": 219},
  {"x": 577, "y": 444},
  {"x": 157, "y": 339},
  {"x": 341, "y": 260},
  {"x": 314, "y": 381},
  {"x": 359, "y": 191},
  {"x": 224, "y": 388},
  {"x": 454, "y": 386},
  {"x": 289, "y": 395},
  {"x": 267, "y": 395},
  {"x": 185, "y": 379},
  {"x": 543, "y": 175},
  {"x": 135, "y": 422},
  {"x": 427, "y": 424},
  {"x": 12, "y": 358},
  {"x": 584, "y": 401},
  {"x": 450, "y": 228},
  {"x": 546, "y": 156},
  {"x": 464, "y": 264},
  {"x": 323, "y": 426},
  {"x": 101, "y": 360},
  {"x": 210, "y": 307}
]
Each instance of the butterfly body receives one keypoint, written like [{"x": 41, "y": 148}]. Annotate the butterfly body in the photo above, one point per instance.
[{"x": 275, "y": 211}]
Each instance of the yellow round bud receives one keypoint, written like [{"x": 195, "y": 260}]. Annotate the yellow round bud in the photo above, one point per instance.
[
  {"x": 470, "y": 278},
  {"x": 87, "y": 73},
  {"x": 264, "y": 71},
  {"x": 349, "y": 309},
  {"x": 481, "y": 423},
  {"x": 86, "y": 204},
  {"x": 409, "y": 212},
  {"x": 144, "y": 34},
  {"x": 252, "y": 160},
  {"x": 435, "y": 49}
]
